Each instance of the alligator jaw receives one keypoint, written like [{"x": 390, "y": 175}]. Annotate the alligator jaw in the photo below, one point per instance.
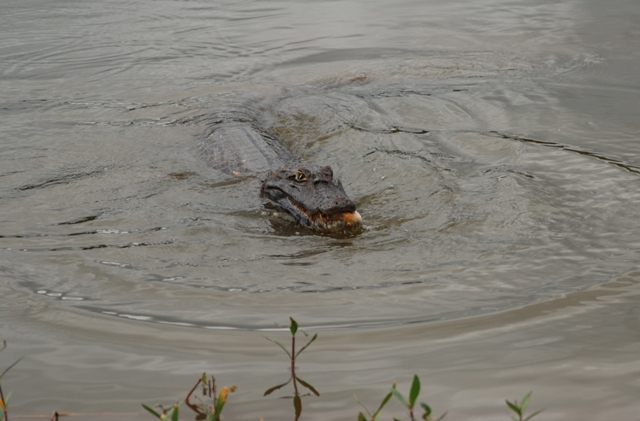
[
  {"x": 329, "y": 222},
  {"x": 346, "y": 221}
]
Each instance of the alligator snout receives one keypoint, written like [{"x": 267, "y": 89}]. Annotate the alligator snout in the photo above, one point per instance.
[{"x": 336, "y": 204}]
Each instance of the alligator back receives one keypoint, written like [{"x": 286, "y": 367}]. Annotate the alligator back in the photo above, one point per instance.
[{"x": 240, "y": 148}]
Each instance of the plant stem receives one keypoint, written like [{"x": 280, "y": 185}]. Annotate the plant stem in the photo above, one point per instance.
[
  {"x": 4, "y": 405},
  {"x": 293, "y": 363}
]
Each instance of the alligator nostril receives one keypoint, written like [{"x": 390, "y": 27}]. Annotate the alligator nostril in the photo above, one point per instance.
[{"x": 341, "y": 204}]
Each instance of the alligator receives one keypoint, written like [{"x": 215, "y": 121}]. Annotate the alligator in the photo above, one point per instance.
[{"x": 311, "y": 196}]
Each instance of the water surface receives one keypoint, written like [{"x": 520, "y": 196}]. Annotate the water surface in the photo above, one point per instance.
[{"x": 490, "y": 147}]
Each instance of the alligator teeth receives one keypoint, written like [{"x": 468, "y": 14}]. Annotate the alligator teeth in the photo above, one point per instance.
[{"x": 332, "y": 222}]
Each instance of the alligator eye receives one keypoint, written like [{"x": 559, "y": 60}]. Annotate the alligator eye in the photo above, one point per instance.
[{"x": 300, "y": 176}]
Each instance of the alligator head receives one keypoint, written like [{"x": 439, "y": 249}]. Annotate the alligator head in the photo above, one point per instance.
[{"x": 313, "y": 197}]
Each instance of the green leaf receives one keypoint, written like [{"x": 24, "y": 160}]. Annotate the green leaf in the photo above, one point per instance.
[
  {"x": 427, "y": 410},
  {"x": 205, "y": 386},
  {"x": 274, "y": 388},
  {"x": 215, "y": 415},
  {"x": 398, "y": 396},
  {"x": 308, "y": 386},
  {"x": 279, "y": 344},
  {"x": 383, "y": 403},
  {"x": 361, "y": 404},
  {"x": 514, "y": 407},
  {"x": 533, "y": 415},
  {"x": 152, "y": 411},
  {"x": 294, "y": 326},
  {"x": 9, "y": 368},
  {"x": 305, "y": 347},
  {"x": 525, "y": 402},
  {"x": 222, "y": 399},
  {"x": 174, "y": 412},
  {"x": 441, "y": 417},
  {"x": 415, "y": 390},
  {"x": 361, "y": 417}
]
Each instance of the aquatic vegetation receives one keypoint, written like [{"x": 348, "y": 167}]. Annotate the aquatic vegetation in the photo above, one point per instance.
[
  {"x": 203, "y": 410},
  {"x": 520, "y": 408},
  {"x": 172, "y": 413},
  {"x": 4, "y": 415},
  {"x": 209, "y": 407},
  {"x": 409, "y": 404}
]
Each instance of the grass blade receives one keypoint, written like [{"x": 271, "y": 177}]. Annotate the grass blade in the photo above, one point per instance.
[
  {"x": 398, "y": 396},
  {"x": 174, "y": 413},
  {"x": 525, "y": 402},
  {"x": 384, "y": 402},
  {"x": 222, "y": 399},
  {"x": 533, "y": 415},
  {"x": 151, "y": 411},
  {"x": 362, "y": 405},
  {"x": 441, "y": 417},
  {"x": 514, "y": 408}
]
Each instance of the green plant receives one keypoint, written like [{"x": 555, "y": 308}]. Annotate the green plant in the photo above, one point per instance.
[
  {"x": 4, "y": 415},
  {"x": 171, "y": 414},
  {"x": 213, "y": 410},
  {"x": 375, "y": 416},
  {"x": 202, "y": 409},
  {"x": 409, "y": 404},
  {"x": 413, "y": 395},
  {"x": 520, "y": 408}
]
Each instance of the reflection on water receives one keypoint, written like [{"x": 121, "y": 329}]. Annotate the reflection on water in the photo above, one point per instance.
[
  {"x": 298, "y": 384},
  {"x": 490, "y": 148}
]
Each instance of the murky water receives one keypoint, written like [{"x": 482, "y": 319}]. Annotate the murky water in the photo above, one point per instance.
[{"x": 491, "y": 148}]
